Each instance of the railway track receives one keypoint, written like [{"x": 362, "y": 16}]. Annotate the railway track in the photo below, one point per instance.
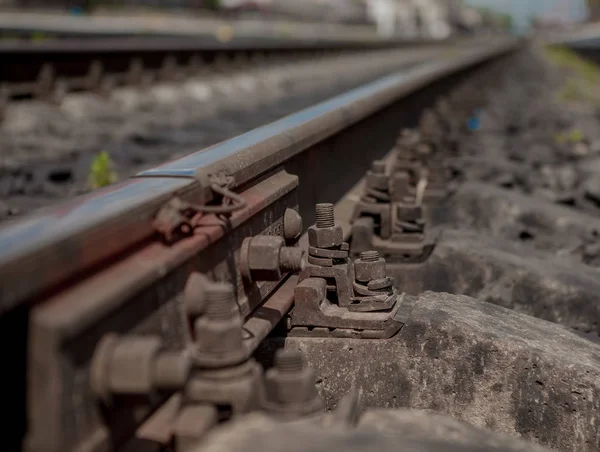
[
  {"x": 49, "y": 69},
  {"x": 47, "y": 149},
  {"x": 147, "y": 310}
]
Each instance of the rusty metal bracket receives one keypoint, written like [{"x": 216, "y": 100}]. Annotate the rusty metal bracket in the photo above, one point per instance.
[
  {"x": 389, "y": 216},
  {"x": 336, "y": 293},
  {"x": 409, "y": 242},
  {"x": 178, "y": 218}
]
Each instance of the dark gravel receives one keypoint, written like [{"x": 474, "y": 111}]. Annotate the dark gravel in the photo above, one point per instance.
[
  {"x": 535, "y": 142},
  {"x": 45, "y": 154}
]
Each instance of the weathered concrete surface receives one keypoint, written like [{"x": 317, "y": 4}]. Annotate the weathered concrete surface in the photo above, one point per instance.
[
  {"x": 381, "y": 430},
  {"x": 508, "y": 274},
  {"x": 478, "y": 362}
]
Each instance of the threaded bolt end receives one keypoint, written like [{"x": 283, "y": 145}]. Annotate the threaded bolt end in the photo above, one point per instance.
[
  {"x": 325, "y": 215},
  {"x": 289, "y": 361},
  {"x": 369, "y": 256},
  {"x": 378, "y": 167},
  {"x": 220, "y": 301},
  {"x": 290, "y": 259}
]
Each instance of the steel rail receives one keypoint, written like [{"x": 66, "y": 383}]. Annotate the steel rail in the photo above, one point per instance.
[
  {"x": 119, "y": 44},
  {"x": 51, "y": 247},
  {"x": 47, "y": 68}
]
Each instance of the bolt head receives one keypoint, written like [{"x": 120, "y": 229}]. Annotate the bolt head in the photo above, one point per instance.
[
  {"x": 292, "y": 225},
  {"x": 194, "y": 293},
  {"x": 263, "y": 257},
  {"x": 325, "y": 237}
]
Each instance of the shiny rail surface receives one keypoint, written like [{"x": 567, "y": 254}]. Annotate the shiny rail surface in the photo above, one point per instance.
[{"x": 104, "y": 263}]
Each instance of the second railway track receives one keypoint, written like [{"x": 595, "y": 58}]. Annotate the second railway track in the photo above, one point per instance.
[
  {"x": 339, "y": 232},
  {"x": 50, "y": 68}
]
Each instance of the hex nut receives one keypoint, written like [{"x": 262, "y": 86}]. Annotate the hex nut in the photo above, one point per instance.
[
  {"x": 366, "y": 271},
  {"x": 135, "y": 365},
  {"x": 325, "y": 237},
  {"x": 377, "y": 180},
  {"x": 171, "y": 370},
  {"x": 132, "y": 364},
  {"x": 406, "y": 212},
  {"x": 263, "y": 257},
  {"x": 290, "y": 382},
  {"x": 218, "y": 336},
  {"x": 291, "y": 388},
  {"x": 378, "y": 166}
]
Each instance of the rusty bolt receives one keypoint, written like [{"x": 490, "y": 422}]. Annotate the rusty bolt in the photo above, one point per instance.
[
  {"x": 376, "y": 177},
  {"x": 429, "y": 123},
  {"x": 369, "y": 267},
  {"x": 292, "y": 225},
  {"x": 424, "y": 150},
  {"x": 136, "y": 365},
  {"x": 378, "y": 167},
  {"x": 266, "y": 258},
  {"x": 219, "y": 330},
  {"x": 406, "y": 212},
  {"x": 291, "y": 383},
  {"x": 171, "y": 371},
  {"x": 291, "y": 259},
  {"x": 325, "y": 233},
  {"x": 194, "y": 294},
  {"x": 325, "y": 215}
]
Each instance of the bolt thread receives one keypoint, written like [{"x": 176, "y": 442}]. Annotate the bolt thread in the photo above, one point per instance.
[
  {"x": 289, "y": 361},
  {"x": 378, "y": 167},
  {"x": 220, "y": 301},
  {"x": 325, "y": 215},
  {"x": 291, "y": 259},
  {"x": 369, "y": 256}
]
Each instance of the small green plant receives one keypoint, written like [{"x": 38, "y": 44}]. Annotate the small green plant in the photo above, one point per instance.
[
  {"x": 101, "y": 171},
  {"x": 39, "y": 36},
  {"x": 573, "y": 136}
]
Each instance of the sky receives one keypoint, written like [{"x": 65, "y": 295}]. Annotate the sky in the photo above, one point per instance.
[{"x": 523, "y": 10}]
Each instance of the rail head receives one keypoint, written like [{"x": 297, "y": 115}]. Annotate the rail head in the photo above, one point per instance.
[{"x": 55, "y": 245}]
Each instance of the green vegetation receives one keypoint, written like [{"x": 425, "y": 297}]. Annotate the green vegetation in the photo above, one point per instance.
[
  {"x": 572, "y": 136},
  {"x": 567, "y": 59},
  {"x": 101, "y": 171},
  {"x": 213, "y": 4},
  {"x": 582, "y": 81},
  {"x": 39, "y": 36},
  {"x": 500, "y": 20}
]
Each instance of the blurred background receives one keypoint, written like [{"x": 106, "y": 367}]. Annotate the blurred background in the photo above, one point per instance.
[{"x": 407, "y": 18}]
